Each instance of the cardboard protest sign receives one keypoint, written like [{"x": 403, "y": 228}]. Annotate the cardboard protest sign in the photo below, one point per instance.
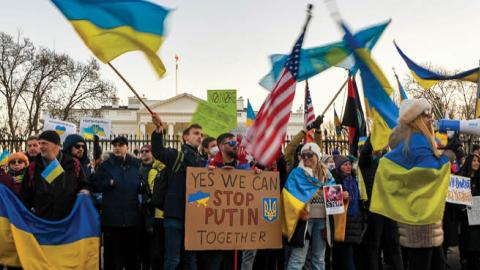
[
  {"x": 95, "y": 126},
  {"x": 333, "y": 196},
  {"x": 230, "y": 209},
  {"x": 225, "y": 99},
  {"x": 459, "y": 190},
  {"x": 474, "y": 212},
  {"x": 61, "y": 127},
  {"x": 213, "y": 119}
]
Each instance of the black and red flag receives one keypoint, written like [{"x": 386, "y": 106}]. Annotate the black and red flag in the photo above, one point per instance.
[{"x": 353, "y": 117}]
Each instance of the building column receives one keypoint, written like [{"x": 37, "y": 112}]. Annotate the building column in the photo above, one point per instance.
[
  {"x": 142, "y": 128},
  {"x": 170, "y": 129}
]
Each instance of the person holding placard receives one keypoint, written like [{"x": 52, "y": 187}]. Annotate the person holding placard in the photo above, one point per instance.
[
  {"x": 313, "y": 215},
  {"x": 470, "y": 234}
]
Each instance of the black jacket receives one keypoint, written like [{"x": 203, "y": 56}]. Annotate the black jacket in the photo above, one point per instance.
[
  {"x": 53, "y": 201},
  {"x": 120, "y": 205},
  {"x": 368, "y": 166},
  {"x": 176, "y": 163}
]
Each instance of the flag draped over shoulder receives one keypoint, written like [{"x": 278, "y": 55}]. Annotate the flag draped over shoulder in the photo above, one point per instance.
[
  {"x": 427, "y": 78},
  {"x": 35, "y": 243},
  {"x": 353, "y": 117},
  {"x": 298, "y": 190},
  {"x": 377, "y": 91},
  {"x": 319, "y": 59},
  {"x": 411, "y": 187},
  {"x": 111, "y": 28}
]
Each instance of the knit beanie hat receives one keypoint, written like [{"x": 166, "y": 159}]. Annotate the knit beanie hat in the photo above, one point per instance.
[
  {"x": 410, "y": 109},
  {"x": 19, "y": 156},
  {"x": 50, "y": 136},
  {"x": 312, "y": 147},
  {"x": 340, "y": 160}
]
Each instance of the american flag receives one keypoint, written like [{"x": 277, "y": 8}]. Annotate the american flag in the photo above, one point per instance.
[
  {"x": 308, "y": 114},
  {"x": 267, "y": 134}
]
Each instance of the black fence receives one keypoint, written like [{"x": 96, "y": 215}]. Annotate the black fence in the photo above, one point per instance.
[{"x": 330, "y": 142}]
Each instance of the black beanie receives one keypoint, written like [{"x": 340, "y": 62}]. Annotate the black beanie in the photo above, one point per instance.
[{"x": 51, "y": 136}]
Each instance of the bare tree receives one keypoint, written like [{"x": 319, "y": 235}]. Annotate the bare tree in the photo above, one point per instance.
[
  {"x": 82, "y": 90},
  {"x": 16, "y": 69}
]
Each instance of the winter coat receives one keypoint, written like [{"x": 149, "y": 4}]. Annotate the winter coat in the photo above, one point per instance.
[
  {"x": 176, "y": 163},
  {"x": 470, "y": 235},
  {"x": 12, "y": 180},
  {"x": 120, "y": 205},
  {"x": 69, "y": 142},
  {"x": 55, "y": 200}
]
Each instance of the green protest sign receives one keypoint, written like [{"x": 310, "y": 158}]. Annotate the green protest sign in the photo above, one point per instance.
[
  {"x": 213, "y": 119},
  {"x": 225, "y": 99}
]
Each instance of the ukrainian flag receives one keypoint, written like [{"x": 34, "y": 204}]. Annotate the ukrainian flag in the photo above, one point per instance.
[
  {"x": 111, "y": 28},
  {"x": 4, "y": 157},
  {"x": 377, "y": 91},
  {"x": 427, "y": 78},
  {"x": 34, "y": 243},
  {"x": 298, "y": 190},
  {"x": 250, "y": 114},
  {"x": 403, "y": 94},
  {"x": 52, "y": 171},
  {"x": 319, "y": 59},
  {"x": 411, "y": 187}
]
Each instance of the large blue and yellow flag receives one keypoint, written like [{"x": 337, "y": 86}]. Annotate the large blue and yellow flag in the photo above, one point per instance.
[
  {"x": 411, "y": 186},
  {"x": 377, "y": 90},
  {"x": 298, "y": 190},
  {"x": 250, "y": 114},
  {"x": 318, "y": 59},
  {"x": 427, "y": 78},
  {"x": 114, "y": 27},
  {"x": 35, "y": 243}
]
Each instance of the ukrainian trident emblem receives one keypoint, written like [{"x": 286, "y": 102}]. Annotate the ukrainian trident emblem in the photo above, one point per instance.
[{"x": 270, "y": 209}]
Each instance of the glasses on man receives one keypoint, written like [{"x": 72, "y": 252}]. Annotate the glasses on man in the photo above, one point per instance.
[
  {"x": 231, "y": 143},
  {"x": 16, "y": 161},
  {"x": 306, "y": 155},
  {"x": 144, "y": 151},
  {"x": 78, "y": 146}
]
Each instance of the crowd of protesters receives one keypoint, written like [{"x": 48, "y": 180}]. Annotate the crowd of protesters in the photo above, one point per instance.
[{"x": 141, "y": 199}]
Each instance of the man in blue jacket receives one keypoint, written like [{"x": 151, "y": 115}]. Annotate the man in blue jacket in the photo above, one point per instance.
[
  {"x": 118, "y": 179},
  {"x": 176, "y": 163}
]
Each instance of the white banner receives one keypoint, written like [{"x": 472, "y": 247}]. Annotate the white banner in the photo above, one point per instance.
[
  {"x": 95, "y": 126},
  {"x": 61, "y": 127},
  {"x": 474, "y": 212},
  {"x": 459, "y": 191}
]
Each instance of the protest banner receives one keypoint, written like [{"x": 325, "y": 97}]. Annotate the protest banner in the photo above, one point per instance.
[
  {"x": 230, "y": 209},
  {"x": 225, "y": 99},
  {"x": 213, "y": 119},
  {"x": 459, "y": 190},
  {"x": 95, "y": 126},
  {"x": 61, "y": 127},
  {"x": 333, "y": 196},
  {"x": 473, "y": 213}
]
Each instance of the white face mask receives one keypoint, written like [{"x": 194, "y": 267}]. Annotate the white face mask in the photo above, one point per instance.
[
  {"x": 331, "y": 166},
  {"x": 214, "y": 150}
]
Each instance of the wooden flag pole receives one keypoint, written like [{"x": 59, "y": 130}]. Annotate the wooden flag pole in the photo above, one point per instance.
[
  {"x": 131, "y": 88},
  {"x": 335, "y": 97}
]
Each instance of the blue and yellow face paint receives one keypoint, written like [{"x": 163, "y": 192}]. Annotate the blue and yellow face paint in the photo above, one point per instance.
[{"x": 111, "y": 28}]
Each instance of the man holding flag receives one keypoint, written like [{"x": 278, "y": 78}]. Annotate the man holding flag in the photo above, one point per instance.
[{"x": 53, "y": 180}]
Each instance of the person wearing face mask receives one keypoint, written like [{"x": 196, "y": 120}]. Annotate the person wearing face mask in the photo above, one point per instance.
[
  {"x": 118, "y": 179},
  {"x": 328, "y": 161},
  {"x": 378, "y": 226},
  {"x": 209, "y": 149}
]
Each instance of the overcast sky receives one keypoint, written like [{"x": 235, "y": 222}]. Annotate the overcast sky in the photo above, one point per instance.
[{"x": 224, "y": 44}]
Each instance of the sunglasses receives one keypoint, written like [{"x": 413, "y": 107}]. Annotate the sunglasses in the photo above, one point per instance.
[
  {"x": 78, "y": 146},
  {"x": 17, "y": 161},
  {"x": 231, "y": 143},
  {"x": 306, "y": 155},
  {"x": 145, "y": 151}
]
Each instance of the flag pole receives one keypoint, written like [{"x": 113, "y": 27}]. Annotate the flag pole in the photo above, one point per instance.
[
  {"x": 335, "y": 97},
  {"x": 131, "y": 88},
  {"x": 176, "y": 74}
]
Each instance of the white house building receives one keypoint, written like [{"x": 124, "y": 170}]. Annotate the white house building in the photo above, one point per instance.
[{"x": 176, "y": 112}]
